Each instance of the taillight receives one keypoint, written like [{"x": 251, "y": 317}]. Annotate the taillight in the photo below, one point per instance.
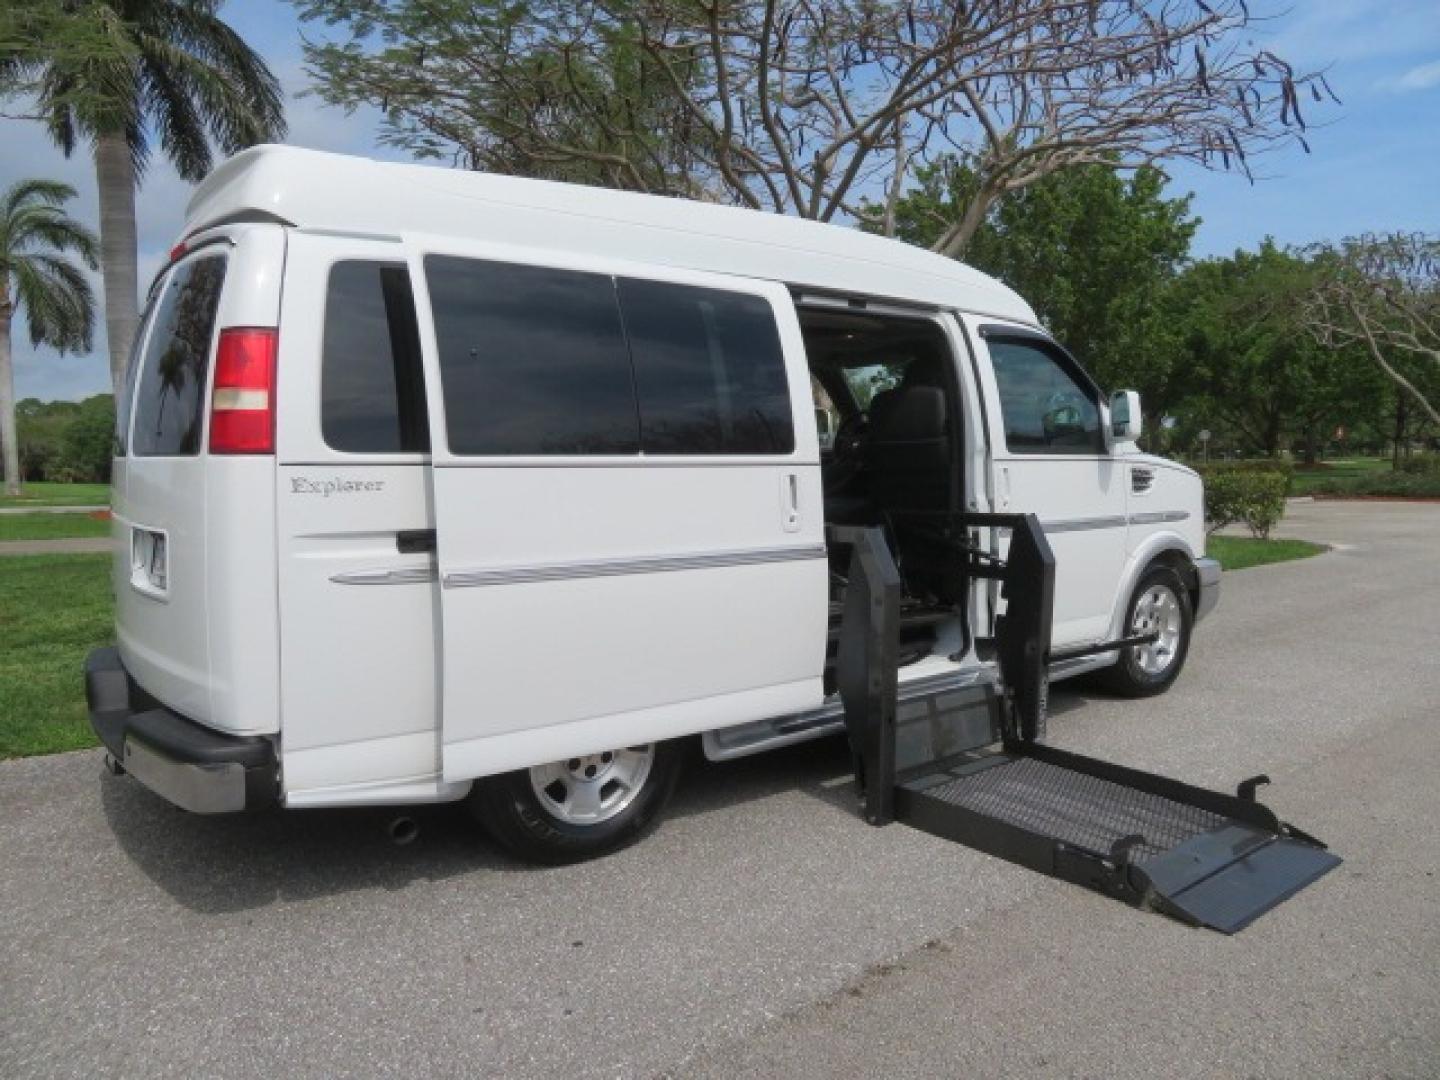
[{"x": 242, "y": 409}]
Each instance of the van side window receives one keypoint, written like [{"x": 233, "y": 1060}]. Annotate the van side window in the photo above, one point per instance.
[
  {"x": 709, "y": 370},
  {"x": 169, "y": 403},
  {"x": 132, "y": 372},
  {"x": 533, "y": 360},
  {"x": 1047, "y": 408},
  {"x": 372, "y": 389}
]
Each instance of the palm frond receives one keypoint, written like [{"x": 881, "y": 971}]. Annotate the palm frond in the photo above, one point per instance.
[
  {"x": 58, "y": 302},
  {"x": 51, "y": 193},
  {"x": 38, "y": 227},
  {"x": 173, "y": 68}
]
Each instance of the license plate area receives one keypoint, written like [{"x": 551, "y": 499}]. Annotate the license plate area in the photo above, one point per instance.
[{"x": 150, "y": 562}]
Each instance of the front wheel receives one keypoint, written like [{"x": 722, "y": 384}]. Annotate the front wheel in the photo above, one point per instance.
[
  {"x": 579, "y": 808},
  {"x": 1160, "y": 605}
]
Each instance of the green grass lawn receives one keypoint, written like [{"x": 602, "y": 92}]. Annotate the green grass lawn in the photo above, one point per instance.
[
  {"x": 53, "y": 610},
  {"x": 51, "y": 526},
  {"x": 1238, "y": 552},
  {"x": 1362, "y": 476},
  {"x": 43, "y": 493}
]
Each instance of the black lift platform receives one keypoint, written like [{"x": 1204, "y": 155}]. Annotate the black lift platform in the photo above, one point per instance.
[{"x": 966, "y": 763}]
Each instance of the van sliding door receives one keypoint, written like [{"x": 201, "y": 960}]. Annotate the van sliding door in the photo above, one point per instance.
[{"x": 628, "y": 506}]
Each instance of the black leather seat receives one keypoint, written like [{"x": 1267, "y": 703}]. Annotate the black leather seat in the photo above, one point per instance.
[
  {"x": 911, "y": 475},
  {"x": 907, "y": 454}
]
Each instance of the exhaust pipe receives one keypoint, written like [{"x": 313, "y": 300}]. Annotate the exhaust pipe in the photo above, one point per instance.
[{"x": 402, "y": 829}]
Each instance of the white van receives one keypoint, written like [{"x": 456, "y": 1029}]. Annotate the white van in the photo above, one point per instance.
[{"x": 434, "y": 485}]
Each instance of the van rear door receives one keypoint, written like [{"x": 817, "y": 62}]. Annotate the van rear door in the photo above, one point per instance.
[
  {"x": 195, "y": 552},
  {"x": 628, "y": 503},
  {"x": 359, "y": 612}
]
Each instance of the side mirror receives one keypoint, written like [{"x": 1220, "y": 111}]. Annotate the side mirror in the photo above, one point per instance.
[{"x": 1126, "y": 420}]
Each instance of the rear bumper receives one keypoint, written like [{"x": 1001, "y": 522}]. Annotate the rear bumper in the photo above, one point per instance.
[
  {"x": 1207, "y": 572},
  {"x": 194, "y": 767}
]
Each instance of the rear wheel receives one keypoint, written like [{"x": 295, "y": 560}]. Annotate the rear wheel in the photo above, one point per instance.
[
  {"x": 1160, "y": 605},
  {"x": 579, "y": 808}
]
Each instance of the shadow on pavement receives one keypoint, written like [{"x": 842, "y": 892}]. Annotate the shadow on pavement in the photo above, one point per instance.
[{"x": 232, "y": 863}]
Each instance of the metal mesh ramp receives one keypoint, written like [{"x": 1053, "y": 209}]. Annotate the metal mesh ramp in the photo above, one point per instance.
[
  {"x": 1207, "y": 858},
  {"x": 1078, "y": 809}
]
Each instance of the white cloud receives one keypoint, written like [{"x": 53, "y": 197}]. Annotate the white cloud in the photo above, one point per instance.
[
  {"x": 1348, "y": 32},
  {"x": 1418, "y": 78}
]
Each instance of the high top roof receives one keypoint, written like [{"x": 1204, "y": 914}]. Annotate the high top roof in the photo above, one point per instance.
[{"x": 315, "y": 190}]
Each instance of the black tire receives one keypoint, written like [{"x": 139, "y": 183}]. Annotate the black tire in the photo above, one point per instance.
[
  {"x": 1134, "y": 674},
  {"x": 509, "y": 808}
]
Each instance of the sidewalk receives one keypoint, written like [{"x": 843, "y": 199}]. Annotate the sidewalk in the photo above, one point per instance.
[{"x": 78, "y": 545}]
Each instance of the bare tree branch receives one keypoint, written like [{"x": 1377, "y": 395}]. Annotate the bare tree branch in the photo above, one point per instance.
[
  {"x": 813, "y": 107},
  {"x": 1381, "y": 292}
]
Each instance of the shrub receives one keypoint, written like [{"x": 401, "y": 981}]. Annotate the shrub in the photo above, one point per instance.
[
  {"x": 1248, "y": 492},
  {"x": 1421, "y": 465}
]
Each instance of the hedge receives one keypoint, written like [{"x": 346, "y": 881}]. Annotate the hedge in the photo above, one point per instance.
[{"x": 1252, "y": 492}]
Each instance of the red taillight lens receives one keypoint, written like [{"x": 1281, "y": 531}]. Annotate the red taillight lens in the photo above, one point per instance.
[{"x": 242, "y": 409}]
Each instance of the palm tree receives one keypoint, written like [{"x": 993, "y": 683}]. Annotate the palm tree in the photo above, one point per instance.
[
  {"x": 172, "y": 70},
  {"x": 35, "y": 274}
]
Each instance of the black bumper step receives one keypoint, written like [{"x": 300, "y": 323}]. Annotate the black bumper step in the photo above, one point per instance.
[{"x": 194, "y": 766}]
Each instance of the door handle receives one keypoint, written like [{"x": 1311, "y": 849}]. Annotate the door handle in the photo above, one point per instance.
[
  {"x": 414, "y": 541},
  {"x": 790, "y": 502},
  {"x": 1004, "y": 486}
]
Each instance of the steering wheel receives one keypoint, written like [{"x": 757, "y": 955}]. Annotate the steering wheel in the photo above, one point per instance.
[{"x": 1063, "y": 417}]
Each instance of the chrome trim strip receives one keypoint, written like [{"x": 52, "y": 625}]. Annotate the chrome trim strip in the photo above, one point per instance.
[
  {"x": 1157, "y": 516},
  {"x": 411, "y": 575},
  {"x": 1083, "y": 524},
  {"x": 649, "y": 564}
]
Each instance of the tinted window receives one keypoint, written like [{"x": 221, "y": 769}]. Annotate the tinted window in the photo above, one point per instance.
[
  {"x": 1047, "y": 408},
  {"x": 533, "y": 360},
  {"x": 709, "y": 371},
  {"x": 132, "y": 371},
  {"x": 371, "y": 386},
  {"x": 169, "y": 403}
]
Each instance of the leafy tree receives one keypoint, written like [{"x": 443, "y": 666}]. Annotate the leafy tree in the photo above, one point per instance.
[
  {"x": 89, "y": 439},
  {"x": 1254, "y": 367},
  {"x": 37, "y": 274},
  {"x": 1093, "y": 250},
  {"x": 170, "y": 70},
  {"x": 67, "y": 440},
  {"x": 801, "y": 107}
]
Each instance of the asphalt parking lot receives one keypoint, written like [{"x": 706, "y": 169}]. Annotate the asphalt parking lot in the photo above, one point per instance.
[{"x": 764, "y": 929}]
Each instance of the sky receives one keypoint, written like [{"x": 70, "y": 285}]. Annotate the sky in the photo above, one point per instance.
[{"x": 1374, "y": 163}]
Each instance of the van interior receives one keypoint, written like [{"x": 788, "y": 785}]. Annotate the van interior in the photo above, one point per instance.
[{"x": 888, "y": 410}]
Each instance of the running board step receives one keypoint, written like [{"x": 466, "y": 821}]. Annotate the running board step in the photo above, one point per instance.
[{"x": 1205, "y": 858}]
